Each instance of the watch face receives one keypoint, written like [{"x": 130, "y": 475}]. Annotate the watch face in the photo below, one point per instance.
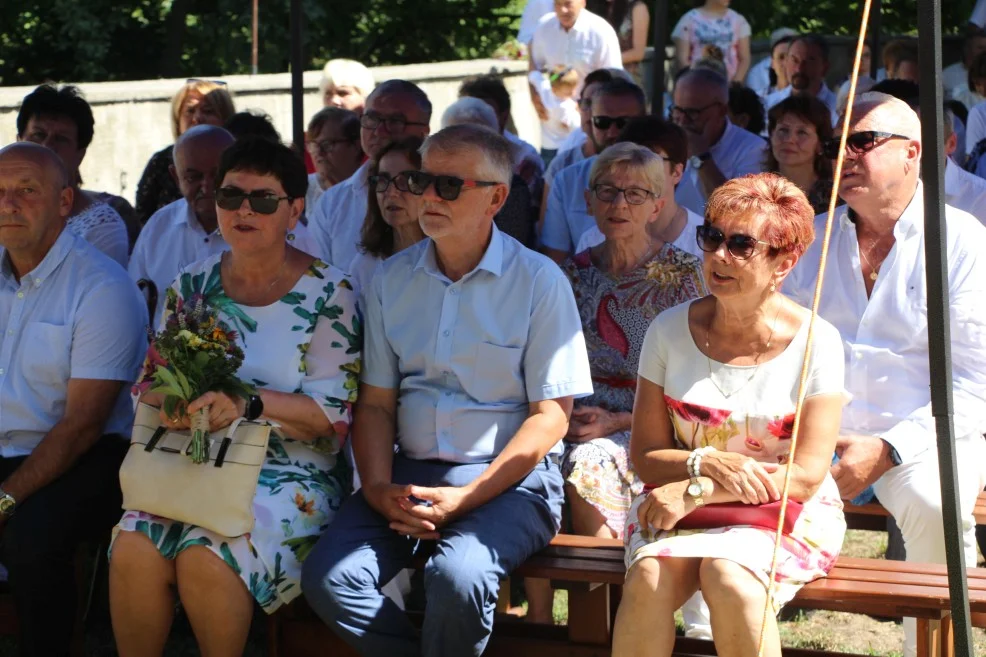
[
  {"x": 695, "y": 489},
  {"x": 6, "y": 504}
]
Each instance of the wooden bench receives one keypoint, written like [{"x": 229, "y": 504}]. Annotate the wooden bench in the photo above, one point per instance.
[
  {"x": 591, "y": 569},
  {"x": 873, "y": 516}
]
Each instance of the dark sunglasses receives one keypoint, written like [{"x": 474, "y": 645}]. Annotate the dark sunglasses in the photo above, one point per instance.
[
  {"x": 604, "y": 122},
  {"x": 381, "y": 181},
  {"x": 447, "y": 187},
  {"x": 858, "y": 142},
  {"x": 261, "y": 202},
  {"x": 739, "y": 246}
]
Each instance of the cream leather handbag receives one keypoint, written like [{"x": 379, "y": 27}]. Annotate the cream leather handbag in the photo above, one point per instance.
[{"x": 158, "y": 477}]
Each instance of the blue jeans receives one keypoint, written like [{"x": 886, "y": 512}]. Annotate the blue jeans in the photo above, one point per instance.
[{"x": 359, "y": 553}]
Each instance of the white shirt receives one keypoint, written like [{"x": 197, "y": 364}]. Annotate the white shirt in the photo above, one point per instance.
[
  {"x": 965, "y": 191},
  {"x": 314, "y": 193},
  {"x": 737, "y": 153},
  {"x": 534, "y": 11},
  {"x": 563, "y": 113},
  {"x": 825, "y": 95},
  {"x": 975, "y": 127},
  {"x": 575, "y": 139},
  {"x": 103, "y": 227},
  {"x": 758, "y": 77},
  {"x": 336, "y": 222},
  {"x": 886, "y": 336},
  {"x": 954, "y": 75},
  {"x": 979, "y": 14},
  {"x": 686, "y": 241},
  {"x": 590, "y": 44},
  {"x": 173, "y": 239}
]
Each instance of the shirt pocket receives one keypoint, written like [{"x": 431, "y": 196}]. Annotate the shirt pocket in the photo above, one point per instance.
[
  {"x": 46, "y": 351},
  {"x": 497, "y": 375}
]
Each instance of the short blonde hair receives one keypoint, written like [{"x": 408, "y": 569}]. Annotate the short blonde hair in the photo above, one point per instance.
[
  {"x": 347, "y": 73},
  {"x": 213, "y": 94},
  {"x": 634, "y": 158}
]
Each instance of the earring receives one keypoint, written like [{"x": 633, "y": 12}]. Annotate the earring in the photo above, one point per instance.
[{"x": 773, "y": 288}]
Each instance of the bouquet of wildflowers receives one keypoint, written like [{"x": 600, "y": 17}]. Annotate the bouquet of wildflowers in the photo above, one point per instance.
[{"x": 198, "y": 354}]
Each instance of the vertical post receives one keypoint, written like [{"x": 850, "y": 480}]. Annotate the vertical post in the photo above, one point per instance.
[
  {"x": 659, "y": 19},
  {"x": 939, "y": 345},
  {"x": 255, "y": 51},
  {"x": 297, "y": 80},
  {"x": 876, "y": 24}
]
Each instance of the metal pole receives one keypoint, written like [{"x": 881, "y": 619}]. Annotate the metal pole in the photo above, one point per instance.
[
  {"x": 254, "y": 54},
  {"x": 876, "y": 61},
  {"x": 939, "y": 345},
  {"x": 660, "y": 21},
  {"x": 297, "y": 82}
]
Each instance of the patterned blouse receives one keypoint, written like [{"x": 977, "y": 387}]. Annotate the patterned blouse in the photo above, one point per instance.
[{"x": 156, "y": 187}]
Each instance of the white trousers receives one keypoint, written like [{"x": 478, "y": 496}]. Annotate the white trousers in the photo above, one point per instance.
[{"x": 912, "y": 494}]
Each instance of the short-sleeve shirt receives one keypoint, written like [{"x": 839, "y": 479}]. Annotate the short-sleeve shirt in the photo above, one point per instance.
[
  {"x": 590, "y": 44},
  {"x": 724, "y": 32},
  {"x": 77, "y": 315},
  {"x": 468, "y": 357}
]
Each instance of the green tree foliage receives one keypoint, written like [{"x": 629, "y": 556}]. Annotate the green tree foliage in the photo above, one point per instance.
[{"x": 94, "y": 40}]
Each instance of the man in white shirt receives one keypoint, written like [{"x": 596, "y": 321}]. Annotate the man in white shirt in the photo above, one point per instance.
[
  {"x": 963, "y": 190},
  {"x": 717, "y": 149},
  {"x": 186, "y": 230},
  {"x": 575, "y": 38},
  {"x": 394, "y": 110},
  {"x": 807, "y": 64},
  {"x": 533, "y": 12},
  {"x": 566, "y": 217},
  {"x": 875, "y": 293}
]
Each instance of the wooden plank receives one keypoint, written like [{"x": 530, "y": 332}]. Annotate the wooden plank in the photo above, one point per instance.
[{"x": 589, "y": 616}]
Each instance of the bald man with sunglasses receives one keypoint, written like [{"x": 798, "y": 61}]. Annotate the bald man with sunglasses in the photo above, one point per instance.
[
  {"x": 875, "y": 293},
  {"x": 474, "y": 354}
]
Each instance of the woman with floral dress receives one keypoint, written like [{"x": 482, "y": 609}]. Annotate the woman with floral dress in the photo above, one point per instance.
[
  {"x": 713, "y": 422},
  {"x": 301, "y": 336}
]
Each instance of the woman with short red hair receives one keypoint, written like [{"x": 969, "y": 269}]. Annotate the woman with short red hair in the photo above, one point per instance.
[{"x": 712, "y": 424}]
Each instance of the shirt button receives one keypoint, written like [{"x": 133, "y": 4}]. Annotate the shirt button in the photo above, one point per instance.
[
  {"x": 1, "y": 370},
  {"x": 453, "y": 291},
  {"x": 10, "y": 331},
  {"x": 448, "y": 394},
  {"x": 446, "y": 333},
  {"x": 37, "y": 282},
  {"x": 20, "y": 295}
]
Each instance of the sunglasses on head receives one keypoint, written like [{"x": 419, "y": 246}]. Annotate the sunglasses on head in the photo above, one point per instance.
[
  {"x": 221, "y": 83},
  {"x": 447, "y": 187},
  {"x": 604, "y": 122},
  {"x": 858, "y": 142},
  {"x": 261, "y": 202},
  {"x": 739, "y": 246},
  {"x": 381, "y": 181}
]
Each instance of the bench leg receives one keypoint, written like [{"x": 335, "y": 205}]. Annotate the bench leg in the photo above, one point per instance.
[
  {"x": 589, "y": 615},
  {"x": 935, "y": 637}
]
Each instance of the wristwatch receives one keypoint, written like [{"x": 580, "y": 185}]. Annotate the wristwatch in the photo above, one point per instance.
[
  {"x": 7, "y": 504},
  {"x": 693, "y": 464},
  {"x": 254, "y": 408},
  {"x": 696, "y": 161}
]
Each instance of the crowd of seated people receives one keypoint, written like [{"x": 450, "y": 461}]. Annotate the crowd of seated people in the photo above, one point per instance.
[{"x": 466, "y": 371}]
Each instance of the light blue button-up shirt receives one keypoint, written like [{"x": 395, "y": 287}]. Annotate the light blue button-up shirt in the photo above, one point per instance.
[
  {"x": 77, "y": 315},
  {"x": 567, "y": 218},
  {"x": 468, "y": 357}
]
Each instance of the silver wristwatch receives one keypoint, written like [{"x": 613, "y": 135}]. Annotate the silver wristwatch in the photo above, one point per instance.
[{"x": 7, "y": 504}]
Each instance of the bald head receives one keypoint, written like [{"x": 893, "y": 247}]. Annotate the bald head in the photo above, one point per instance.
[
  {"x": 705, "y": 82},
  {"x": 201, "y": 137},
  {"x": 27, "y": 152},
  {"x": 197, "y": 155},
  {"x": 892, "y": 114}
]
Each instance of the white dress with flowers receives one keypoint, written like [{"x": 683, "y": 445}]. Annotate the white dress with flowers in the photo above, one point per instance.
[
  {"x": 308, "y": 342},
  {"x": 755, "y": 420}
]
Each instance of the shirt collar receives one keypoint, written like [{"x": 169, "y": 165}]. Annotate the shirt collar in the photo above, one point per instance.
[
  {"x": 910, "y": 222},
  {"x": 727, "y": 135},
  {"x": 492, "y": 260},
  {"x": 56, "y": 254},
  {"x": 359, "y": 179}
]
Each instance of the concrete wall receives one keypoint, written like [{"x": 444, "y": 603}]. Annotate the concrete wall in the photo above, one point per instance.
[{"x": 132, "y": 118}]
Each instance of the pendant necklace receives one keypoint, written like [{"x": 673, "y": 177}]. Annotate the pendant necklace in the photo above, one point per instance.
[
  {"x": 874, "y": 271},
  {"x": 753, "y": 374}
]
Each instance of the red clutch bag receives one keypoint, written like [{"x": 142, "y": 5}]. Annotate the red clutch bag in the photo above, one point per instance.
[{"x": 764, "y": 516}]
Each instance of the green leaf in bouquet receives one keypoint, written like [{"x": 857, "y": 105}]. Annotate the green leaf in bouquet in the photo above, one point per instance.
[
  {"x": 170, "y": 383},
  {"x": 186, "y": 387},
  {"x": 170, "y": 405}
]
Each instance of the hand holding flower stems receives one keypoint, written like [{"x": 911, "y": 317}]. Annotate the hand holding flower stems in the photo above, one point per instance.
[{"x": 200, "y": 357}]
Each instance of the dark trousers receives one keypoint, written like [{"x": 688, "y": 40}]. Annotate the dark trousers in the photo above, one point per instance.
[{"x": 39, "y": 543}]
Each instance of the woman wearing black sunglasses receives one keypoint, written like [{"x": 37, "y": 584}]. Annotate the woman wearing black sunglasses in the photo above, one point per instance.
[
  {"x": 712, "y": 423},
  {"x": 301, "y": 337}
]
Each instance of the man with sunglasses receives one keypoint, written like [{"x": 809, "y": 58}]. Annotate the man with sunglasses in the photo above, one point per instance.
[
  {"x": 473, "y": 357},
  {"x": 875, "y": 293},
  {"x": 718, "y": 150},
  {"x": 395, "y": 109},
  {"x": 566, "y": 217}
]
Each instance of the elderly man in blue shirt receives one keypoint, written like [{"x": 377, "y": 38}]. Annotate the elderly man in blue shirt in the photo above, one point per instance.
[
  {"x": 473, "y": 355},
  {"x": 71, "y": 341}
]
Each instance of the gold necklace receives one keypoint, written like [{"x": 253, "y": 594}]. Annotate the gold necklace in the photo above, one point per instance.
[
  {"x": 280, "y": 273},
  {"x": 874, "y": 271},
  {"x": 753, "y": 374}
]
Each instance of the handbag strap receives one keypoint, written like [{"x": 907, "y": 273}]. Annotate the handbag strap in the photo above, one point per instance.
[{"x": 227, "y": 441}]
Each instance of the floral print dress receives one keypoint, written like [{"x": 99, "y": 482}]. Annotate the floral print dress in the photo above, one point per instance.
[
  {"x": 615, "y": 313},
  {"x": 749, "y": 410},
  {"x": 308, "y": 342}
]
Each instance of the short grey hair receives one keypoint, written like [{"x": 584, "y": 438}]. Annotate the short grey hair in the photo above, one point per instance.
[
  {"x": 472, "y": 111},
  {"x": 707, "y": 77},
  {"x": 632, "y": 158},
  {"x": 475, "y": 139},
  {"x": 948, "y": 122},
  {"x": 895, "y": 113}
]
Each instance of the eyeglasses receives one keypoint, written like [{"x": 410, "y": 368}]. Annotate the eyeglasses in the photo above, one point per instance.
[
  {"x": 326, "y": 146},
  {"x": 858, "y": 142},
  {"x": 633, "y": 195},
  {"x": 604, "y": 122},
  {"x": 394, "y": 124},
  {"x": 739, "y": 246},
  {"x": 261, "y": 202},
  {"x": 221, "y": 83},
  {"x": 381, "y": 181},
  {"x": 690, "y": 113},
  {"x": 447, "y": 187}
]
